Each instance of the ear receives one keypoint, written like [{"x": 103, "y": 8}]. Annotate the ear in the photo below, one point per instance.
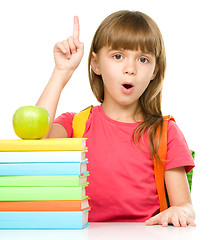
[
  {"x": 95, "y": 64},
  {"x": 155, "y": 72}
]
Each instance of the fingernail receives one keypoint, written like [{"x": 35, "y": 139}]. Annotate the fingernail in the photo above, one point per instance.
[
  {"x": 184, "y": 224},
  {"x": 165, "y": 224}
]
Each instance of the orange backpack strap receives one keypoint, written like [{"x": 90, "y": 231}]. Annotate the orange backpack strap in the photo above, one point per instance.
[
  {"x": 79, "y": 122},
  {"x": 159, "y": 166}
]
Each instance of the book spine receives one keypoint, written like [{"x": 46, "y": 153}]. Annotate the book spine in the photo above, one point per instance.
[
  {"x": 21, "y": 169},
  {"x": 49, "y": 144},
  {"x": 42, "y": 181},
  {"x": 43, "y": 220},
  {"x": 43, "y": 156},
  {"x": 40, "y": 193},
  {"x": 73, "y": 205}
]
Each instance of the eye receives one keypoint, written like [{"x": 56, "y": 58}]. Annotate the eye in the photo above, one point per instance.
[
  {"x": 118, "y": 56},
  {"x": 143, "y": 60}
]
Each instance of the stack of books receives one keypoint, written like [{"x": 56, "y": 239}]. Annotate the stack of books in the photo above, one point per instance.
[{"x": 42, "y": 184}]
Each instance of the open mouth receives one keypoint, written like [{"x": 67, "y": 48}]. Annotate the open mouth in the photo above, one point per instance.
[{"x": 127, "y": 87}]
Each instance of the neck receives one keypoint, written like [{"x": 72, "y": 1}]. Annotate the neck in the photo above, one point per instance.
[{"x": 123, "y": 113}]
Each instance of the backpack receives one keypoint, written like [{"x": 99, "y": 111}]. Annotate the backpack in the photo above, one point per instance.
[{"x": 79, "y": 125}]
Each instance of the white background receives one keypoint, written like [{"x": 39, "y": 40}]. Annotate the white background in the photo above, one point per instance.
[{"x": 30, "y": 29}]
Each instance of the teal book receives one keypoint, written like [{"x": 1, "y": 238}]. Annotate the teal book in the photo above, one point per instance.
[
  {"x": 44, "y": 219},
  {"x": 29, "y": 169}
]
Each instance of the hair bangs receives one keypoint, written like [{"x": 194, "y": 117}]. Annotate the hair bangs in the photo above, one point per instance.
[{"x": 130, "y": 32}]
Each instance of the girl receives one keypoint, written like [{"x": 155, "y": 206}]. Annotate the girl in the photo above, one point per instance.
[{"x": 126, "y": 70}]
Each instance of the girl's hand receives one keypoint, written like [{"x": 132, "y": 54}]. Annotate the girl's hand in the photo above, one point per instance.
[
  {"x": 174, "y": 215},
  {"x": 68, "y": 54}
]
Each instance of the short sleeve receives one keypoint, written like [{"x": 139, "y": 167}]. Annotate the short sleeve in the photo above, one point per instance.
[
  {"x": 178, "y": 152},
  {"x": 66, "y": 119}
]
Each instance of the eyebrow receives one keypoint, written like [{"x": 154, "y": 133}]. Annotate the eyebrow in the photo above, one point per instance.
[{"x": 123, "y": 50}]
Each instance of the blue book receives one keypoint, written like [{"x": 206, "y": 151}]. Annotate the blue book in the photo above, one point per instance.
[
  {"x": 43, "y": 156},
  {"x": 35, "y": 169},
  {"x": 44, "y": 219}
]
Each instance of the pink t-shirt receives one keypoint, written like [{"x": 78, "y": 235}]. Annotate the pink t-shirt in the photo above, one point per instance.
[{"x": 121, "y": 183}]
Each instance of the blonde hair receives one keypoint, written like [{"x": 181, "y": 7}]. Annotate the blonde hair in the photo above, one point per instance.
[{"x": 134, "y": 30}]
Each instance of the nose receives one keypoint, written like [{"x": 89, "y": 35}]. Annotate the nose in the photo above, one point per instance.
[{"x": 130, "y": 67}]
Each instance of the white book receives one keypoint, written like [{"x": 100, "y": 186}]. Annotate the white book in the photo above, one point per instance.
[{"x": 43, "y": 156}]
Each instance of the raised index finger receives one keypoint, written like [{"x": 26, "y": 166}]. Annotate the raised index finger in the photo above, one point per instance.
[{"x": 76, "y": 29}]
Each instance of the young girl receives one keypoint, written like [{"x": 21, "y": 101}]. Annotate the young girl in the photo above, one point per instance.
[{"x": 126, "y": 70}]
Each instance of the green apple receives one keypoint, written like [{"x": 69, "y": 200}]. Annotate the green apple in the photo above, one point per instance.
[{"x": 31, "y": 122}]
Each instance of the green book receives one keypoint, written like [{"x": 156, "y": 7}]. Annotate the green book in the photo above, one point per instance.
[
  {"x": 43, "y": 181},
  {"x": 42, "y": 193}
]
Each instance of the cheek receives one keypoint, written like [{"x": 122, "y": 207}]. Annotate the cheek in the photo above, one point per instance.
[
  {"x": 145, "y": 80},
  {"x": 109, "y": 74},
  {"x": 142, "y": 87},
  {"x": 149, "y": 74},
  {"x": 104, "y": 70}
]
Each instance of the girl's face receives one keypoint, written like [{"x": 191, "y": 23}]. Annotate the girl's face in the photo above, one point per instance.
[{"x": 125, "y": 73}]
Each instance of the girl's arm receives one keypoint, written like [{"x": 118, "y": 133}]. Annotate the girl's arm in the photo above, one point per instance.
[
  {"x": 181, "y": 212},
  {"x": 67, "y": 55},
  {"x": 50, "y": 98}
]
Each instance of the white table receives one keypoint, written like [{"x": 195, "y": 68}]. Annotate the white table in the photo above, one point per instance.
[{"x": 110, "y": 231}]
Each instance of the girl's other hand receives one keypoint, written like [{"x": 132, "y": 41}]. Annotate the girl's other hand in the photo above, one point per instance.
[
  {"x": 177, "y": 216},
  {"x": 68, "y": 53}
]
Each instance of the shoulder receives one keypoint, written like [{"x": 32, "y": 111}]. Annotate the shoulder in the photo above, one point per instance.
[
  {"x": 175, "y": 134},
  {"x": 93, "y": 112},
  {"x": 178, "y": 152},
  {"x": 66, "y": 119},
  {"x": 174, "y": 131}
]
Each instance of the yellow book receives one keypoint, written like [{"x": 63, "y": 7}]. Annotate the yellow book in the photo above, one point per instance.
[{"x": 48, "y": 144}]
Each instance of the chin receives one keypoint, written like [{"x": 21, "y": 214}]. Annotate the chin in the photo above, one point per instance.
[{"x": 127, "y": 103}]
